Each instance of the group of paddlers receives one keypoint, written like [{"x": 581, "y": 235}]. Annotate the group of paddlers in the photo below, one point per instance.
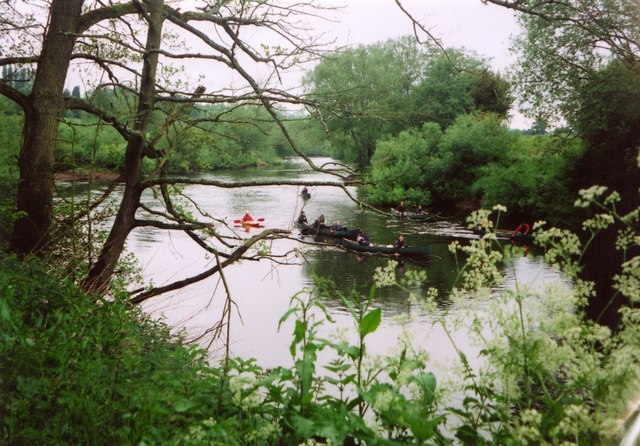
[
  {"x": 320, "y": 222},
  {"x": 402, "y": 209},
  {"x": 361, "y": 238}
]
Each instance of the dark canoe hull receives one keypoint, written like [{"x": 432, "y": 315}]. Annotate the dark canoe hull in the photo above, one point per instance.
[
  {"x": 412, "y": 216},
  {"x": 325, "y": 231},
  {"x": 410, "y": 251},
  {"x": 523, "y": 239}
]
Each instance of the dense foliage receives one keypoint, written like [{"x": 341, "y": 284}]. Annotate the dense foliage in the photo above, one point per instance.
[
  {"x": 376, "y": 91},
  {"x": 478, "y": 159},
  {"x": 220, "y": 137}
]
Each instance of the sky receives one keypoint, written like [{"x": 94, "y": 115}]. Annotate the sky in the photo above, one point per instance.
[
  {"x": 458, "y": 23},
  {"x": 485, "y": 29}
]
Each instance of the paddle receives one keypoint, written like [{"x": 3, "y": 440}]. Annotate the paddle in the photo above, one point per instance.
[{"x": 240, "y": 221}]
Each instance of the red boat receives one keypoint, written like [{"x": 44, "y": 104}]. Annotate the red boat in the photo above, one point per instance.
[{"x": 253, "y": 223}]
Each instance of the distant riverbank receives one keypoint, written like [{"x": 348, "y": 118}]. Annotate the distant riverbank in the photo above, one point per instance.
[{"x": 85, "y": 176}]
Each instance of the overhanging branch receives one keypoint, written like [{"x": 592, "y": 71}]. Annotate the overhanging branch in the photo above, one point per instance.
[{"x": 233, "y": 257}]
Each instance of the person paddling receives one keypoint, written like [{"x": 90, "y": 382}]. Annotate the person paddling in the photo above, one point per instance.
[
  {"x": 247, "y": 217},
  {"x": 398, "y": 245},
  {"x": 319, "y": 223},
  {"x": 401, "y": 209},
  {"x": 302, "y": 218},
  {"x": 362, "y": 238},
  {"x": 338, "y": 227}
]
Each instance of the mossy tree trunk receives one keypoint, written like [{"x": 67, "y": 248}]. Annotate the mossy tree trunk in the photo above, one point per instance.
[{"x": 36, "y": 161}]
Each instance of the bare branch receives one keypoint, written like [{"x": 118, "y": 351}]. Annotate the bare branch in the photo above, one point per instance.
[{"x": 233, "y": 257}]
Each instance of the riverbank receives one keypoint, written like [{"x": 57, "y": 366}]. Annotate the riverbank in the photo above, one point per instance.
[{"x": 70, "y": 176}]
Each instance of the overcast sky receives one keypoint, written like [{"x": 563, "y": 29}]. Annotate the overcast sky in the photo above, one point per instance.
[
  {"x": 458, "y": 23},
  {"x": 485, "y": 29}
]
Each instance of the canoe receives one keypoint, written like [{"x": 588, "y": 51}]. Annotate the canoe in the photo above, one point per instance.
[
  {"x": 409, "y": 251},
  {"x": 412, "y": 215},
  {"x": 326, "y": 231}
]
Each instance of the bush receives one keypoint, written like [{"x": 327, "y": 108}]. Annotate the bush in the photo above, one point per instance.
[{"x": 76, "y": 370}]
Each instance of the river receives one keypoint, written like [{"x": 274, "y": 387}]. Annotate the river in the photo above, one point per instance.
[{"x": 262, "y": 290}]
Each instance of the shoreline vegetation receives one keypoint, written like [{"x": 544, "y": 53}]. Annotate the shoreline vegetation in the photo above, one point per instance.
[
  {"x": 80, "y": 369},
  {"x": 99, "y": 176}
]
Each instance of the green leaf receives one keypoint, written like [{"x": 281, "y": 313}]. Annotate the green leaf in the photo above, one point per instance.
[
  {"x": 427, "y": 382},
  {"x": 4, "y": 310},
  {"x": 370, "y": 322},
  {"x": 286, "y": 316},
  {"x": 183, "y": 405},
  {"x": 299, "y": 331}
]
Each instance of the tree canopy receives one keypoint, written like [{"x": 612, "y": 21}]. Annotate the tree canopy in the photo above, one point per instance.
[{"x": 379, "y": 90}]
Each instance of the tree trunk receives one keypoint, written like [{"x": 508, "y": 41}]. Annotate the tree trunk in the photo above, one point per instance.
[
  {"x": 99, "y": 275},
  {"x": 35, "y": 188}
]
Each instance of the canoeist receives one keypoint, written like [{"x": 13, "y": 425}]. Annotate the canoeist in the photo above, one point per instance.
[
  {"x": 247, "y": 216},
  {"x": 305, "y": 191},
  {"x": 419, "y": 210},
  {"x": 398, "y": 244},
  {"x": 319, "y": 222},
  {"x": 401, "y": 208},
  {"x": 302, "y": 218},
  {"x": 362, "y": 238},
  {"x": 338, "y": 227}
]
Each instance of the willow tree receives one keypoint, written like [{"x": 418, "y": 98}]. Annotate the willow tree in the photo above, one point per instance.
[{"x": 134, "y": 47}]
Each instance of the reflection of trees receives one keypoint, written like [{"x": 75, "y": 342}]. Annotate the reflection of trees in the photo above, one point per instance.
[{"x": 351, "y": 272}]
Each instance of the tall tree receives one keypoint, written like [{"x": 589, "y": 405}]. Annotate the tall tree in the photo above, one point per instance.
[
  {"x": 110, "y": 37},
  {"x": 580, "y": 63},
  {"x": 457, "y": 83},
  {"x": 43, "y": 106},
  {"x": 364, "y": 94},
  {"x": 565, "y": 43}
]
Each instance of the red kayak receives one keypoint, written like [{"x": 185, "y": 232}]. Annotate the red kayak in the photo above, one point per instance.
[{"x": 254, "y": 223}]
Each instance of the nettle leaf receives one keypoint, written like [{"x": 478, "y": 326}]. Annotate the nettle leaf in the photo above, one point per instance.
[
  {"x": 427, "y": 382},
  {"x": 344, "y": 348},
  {"x": 304, "y": 426},
  {"x": 299, "y": 331},
  {"x": 370, "y": 322}
]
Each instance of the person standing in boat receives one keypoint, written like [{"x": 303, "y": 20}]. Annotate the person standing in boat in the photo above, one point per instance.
[
  {"x": 302, "y": 218},
  {"x": 398, "y": 245},
  {"x": 362, "y": 238},
  {"x": 401, "y": 208},
  {"x": 247, "y": 216}
]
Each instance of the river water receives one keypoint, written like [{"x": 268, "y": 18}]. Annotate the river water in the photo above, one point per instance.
[{"x": 261, "y": 290}]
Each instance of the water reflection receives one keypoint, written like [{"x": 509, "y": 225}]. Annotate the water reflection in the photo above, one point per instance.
[{"x": 261, "y": 290}]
